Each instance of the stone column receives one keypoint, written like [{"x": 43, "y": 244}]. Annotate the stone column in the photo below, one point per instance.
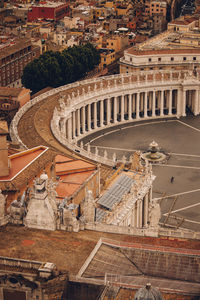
[
  {"x": 1, "y": 293},
  {"x": 83, "y": 119},
  {"x": 145, "y": 104},
  {"x": 162, "y": 103},
  {"x": 101, "y": 113},
  {"x": 74, "y": 123},
  {"x": 141, "y": 213},
  {"x": 115, "y": 110},
  {"x": 133, "y": 216},
  {"x": 170, "y": 102},
  {"x": 196, "y": 102},
  {"x": 138, "y": 106},
  {"x": 184, "y": 103},
  {"x": 89, "y": 117},
  {"x": 146, "y": 209},
  {"x": 154, "y": 104},
  {"x": 69, "y": 128},
  {"x": 78, "y": 121},
  {"x": 130, "y": 107},
  {"x": 108, "y": 112},
  {"x": 122, "y": 107},
  {"x": 63, "y": 127},
  {"x": 95, "y": 115},
  {"x": 179, "y": 102},
  {"x": 138, "y": 213}
]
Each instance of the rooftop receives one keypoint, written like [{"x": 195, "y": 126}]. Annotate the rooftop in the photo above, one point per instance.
[
  {"x": 21, "y": 160},
  {"x": 14, "y": 92},
  {"x": 133, "y": 263},
  {"x": 48, "y": 4},
  {"x": 14, "y": 46},
  {"x": 24, "y": 166},
  {"x": 169, "y": 40},
  {"x": 72, "y": 174},
  {"x": 72, "y": 249}
]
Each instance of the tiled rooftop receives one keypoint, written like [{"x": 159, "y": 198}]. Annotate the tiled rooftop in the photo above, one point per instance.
[{"x": 22, "y": 160}]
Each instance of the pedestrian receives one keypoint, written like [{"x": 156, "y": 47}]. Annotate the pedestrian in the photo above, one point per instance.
[{"x": 172, "y": 179}]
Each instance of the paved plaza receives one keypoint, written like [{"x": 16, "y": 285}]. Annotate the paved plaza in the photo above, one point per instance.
[{"x": 180, "y": 139}]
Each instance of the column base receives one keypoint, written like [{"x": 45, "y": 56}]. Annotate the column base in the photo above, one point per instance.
[{"x": 4, "y": 220}]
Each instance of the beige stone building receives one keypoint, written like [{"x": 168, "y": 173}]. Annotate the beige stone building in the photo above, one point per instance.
[{"x": 177, "y": 48}]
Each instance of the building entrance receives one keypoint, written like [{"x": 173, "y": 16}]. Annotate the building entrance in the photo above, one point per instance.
[
  {"x": 11, "y": 295},
  {"x": 190, "y": 102}
]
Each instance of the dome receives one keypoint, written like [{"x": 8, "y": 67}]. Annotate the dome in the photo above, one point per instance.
[{"x": 148, "y": 293}]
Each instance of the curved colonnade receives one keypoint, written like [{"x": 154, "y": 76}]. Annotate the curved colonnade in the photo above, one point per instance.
[{"x": 91, "y": 105}]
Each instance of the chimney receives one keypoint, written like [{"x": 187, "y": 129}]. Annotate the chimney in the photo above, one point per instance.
[{"x": 4, "y": 160}]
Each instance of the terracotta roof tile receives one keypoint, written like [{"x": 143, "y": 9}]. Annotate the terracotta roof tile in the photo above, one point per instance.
[
  {"x": 69, "y": 184},
  {"x": 21, "y": 160},
  {"x": 6, "y": 91}
]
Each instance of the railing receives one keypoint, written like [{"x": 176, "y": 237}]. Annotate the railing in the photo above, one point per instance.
[{"x": 23, "y": 263}]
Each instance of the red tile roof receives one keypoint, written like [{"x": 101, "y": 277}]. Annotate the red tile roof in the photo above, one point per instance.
[{"x": 20, "y": 161}]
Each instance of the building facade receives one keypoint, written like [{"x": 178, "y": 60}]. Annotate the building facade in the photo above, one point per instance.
[
  {"x": 177, "y": 49},
  {"x": 14, "y": 56},
  {"x": 48, "y": 11}
]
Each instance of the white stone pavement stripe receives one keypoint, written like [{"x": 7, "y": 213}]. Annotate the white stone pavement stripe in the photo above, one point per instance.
[
  {"x": 179, "y": 194},
  {"x": 191, "y": 221},
  {"x": 176, "y": 166},
  {"x": 185, "y": 220},
  {"x": 194, "y": 128},
  {"x": 183, "y": 208},
  {"x": 183, "y": 154}
]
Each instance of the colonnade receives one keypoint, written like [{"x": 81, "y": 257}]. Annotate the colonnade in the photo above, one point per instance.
[
  {"x": 126, "y": 107},
  {"x": 134, "y": 212}
]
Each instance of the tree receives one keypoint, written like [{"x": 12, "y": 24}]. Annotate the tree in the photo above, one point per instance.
[{"x": 55, "y": 68}]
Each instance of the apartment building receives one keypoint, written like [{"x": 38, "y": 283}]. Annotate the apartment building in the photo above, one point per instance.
[
  {"x": 176, "y": 48},
  {"x": 14, "y": 56}
]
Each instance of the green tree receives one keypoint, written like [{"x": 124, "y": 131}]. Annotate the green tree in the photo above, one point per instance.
[{"x": 55, "y": 68}]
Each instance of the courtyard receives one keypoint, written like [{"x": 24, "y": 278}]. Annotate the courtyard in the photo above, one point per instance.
[{"x": 180, "y": 140}]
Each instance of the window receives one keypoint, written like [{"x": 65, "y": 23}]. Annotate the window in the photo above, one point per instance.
[
  {"x": 194, "y": 58},
  {"x": 130, "y": 58},
  {"x": 149, "y": 59},
  {"x": 184, "y": 58},
  {"x": 172, "y": 58},
  {"x": 159, "y": 58}
]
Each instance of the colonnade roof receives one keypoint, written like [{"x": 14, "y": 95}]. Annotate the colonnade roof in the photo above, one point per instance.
[{"x": 166, "y": 51}]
